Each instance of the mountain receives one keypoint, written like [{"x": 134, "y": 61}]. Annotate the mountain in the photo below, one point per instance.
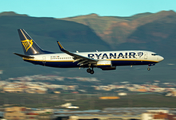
[
  {"x": 117, "y": 30},
  {"x": 146, "y": 31}
]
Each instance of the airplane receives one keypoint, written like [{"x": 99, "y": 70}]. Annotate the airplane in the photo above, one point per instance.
[
  {"x": 69, "y": 105},
  {"x": 105, "y": 60}
]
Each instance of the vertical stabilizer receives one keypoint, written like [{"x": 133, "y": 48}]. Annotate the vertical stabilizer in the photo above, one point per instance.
[{"x": 29, "y": 45}]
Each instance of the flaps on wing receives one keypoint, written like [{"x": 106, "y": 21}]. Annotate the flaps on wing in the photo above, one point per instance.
[
  {"x": 25, "y": 56},
  {"x": 82, "y": 60}
]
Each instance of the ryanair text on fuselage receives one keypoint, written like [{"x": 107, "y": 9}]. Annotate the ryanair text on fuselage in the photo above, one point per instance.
[{"x": 115, "y": 55}]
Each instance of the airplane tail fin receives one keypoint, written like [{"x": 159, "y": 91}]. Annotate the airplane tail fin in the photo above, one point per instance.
[{"x": 29, "y": 45}]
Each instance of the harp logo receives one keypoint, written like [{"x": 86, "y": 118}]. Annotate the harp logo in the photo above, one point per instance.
[{"x": 27, "y": 44}]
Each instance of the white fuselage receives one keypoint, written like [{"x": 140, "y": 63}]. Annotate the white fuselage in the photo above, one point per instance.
[{"x": 116, "y": 58}]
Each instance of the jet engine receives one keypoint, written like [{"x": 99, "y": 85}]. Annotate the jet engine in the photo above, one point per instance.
[{"x": 109, "y": 68}]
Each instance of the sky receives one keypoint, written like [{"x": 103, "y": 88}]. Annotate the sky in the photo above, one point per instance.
[{"x": 71, "y": 8}]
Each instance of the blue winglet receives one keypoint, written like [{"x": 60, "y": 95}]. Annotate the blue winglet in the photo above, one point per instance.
[{"x": 60, "y": 46}]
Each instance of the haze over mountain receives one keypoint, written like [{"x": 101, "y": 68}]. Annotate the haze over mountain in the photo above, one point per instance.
[{"x": 146, "y": 31}]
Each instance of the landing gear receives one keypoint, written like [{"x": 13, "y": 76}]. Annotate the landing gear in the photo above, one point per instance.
[
  {"x": 90, "y": 71},
  {"x": 148, "y": 68}
]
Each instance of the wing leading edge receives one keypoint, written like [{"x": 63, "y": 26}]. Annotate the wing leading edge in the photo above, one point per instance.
[{"x": 82, "y": 60}]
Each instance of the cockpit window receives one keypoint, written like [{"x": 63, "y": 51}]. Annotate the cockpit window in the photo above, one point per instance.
[{"x": 154, "y": 54}]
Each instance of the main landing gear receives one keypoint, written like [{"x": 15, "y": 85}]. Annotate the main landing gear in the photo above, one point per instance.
[{"x": 91, "y": 71}]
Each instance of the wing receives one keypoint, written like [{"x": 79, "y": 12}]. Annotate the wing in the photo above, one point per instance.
[{"x": 82, "y": 60}]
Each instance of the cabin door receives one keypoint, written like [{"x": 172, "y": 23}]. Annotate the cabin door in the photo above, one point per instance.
[{"x": 145, "y": 56}]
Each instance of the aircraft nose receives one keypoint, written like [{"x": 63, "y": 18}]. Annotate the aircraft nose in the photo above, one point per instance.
[{"x": 160, "y": 58}]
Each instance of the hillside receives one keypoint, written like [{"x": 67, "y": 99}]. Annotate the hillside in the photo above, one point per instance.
[
  {"x": 117, "y": 30},
  {"x": 147, "y": 31}
]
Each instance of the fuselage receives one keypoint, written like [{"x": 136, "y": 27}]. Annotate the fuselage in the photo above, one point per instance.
[{"x": 117, "y": 58}]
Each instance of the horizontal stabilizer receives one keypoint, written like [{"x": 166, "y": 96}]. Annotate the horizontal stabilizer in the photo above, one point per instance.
[{"x": 25, "y": 56}]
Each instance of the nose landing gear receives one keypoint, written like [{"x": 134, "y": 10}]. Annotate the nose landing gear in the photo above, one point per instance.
[{"x": 148, "y": 68}]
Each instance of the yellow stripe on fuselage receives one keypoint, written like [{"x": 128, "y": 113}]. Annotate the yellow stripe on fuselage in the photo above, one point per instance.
[
  {"x": 132, "y": 60},
  {"x": 104, "y": 65},
  {"x": 73, "y": 60}
]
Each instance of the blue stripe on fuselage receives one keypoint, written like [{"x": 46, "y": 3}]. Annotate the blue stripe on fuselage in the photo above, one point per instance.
[
  {"x": 121, "y": 63},
  {"x": 63, "y": 64}
]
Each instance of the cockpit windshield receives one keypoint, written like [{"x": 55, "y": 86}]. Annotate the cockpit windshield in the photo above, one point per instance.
[{"x": 154, "y": 54}]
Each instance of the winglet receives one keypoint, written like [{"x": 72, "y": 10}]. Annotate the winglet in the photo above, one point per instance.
[{"x": 60, "y": 46}]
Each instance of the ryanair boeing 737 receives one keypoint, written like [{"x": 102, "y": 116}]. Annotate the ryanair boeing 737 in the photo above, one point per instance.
[{"x": 106, "y": 60}]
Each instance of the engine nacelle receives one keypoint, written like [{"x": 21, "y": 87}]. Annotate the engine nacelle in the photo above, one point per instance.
[
  {"x": 108, "y": 68},
  {"x": 104, "y": 63}
]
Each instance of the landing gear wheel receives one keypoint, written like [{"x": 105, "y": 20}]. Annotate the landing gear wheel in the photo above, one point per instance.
[
  {"x": 88, "y": 70},
  {"x": 148, "y": 69},
  {"x": 92, "y": 72}
]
